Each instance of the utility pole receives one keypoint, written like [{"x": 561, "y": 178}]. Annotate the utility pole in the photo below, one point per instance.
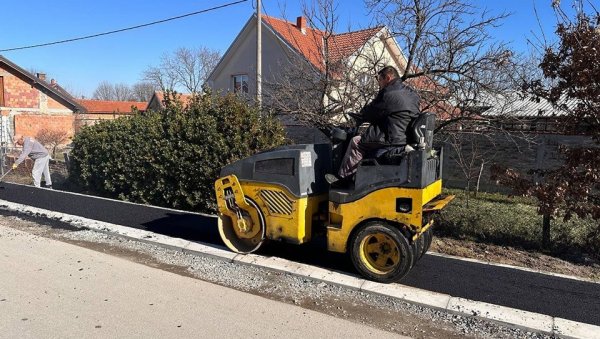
[{"x": 258, "y": 55}]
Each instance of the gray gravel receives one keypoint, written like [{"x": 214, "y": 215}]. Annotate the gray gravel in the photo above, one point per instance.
[{"x": 382, "y": 312}]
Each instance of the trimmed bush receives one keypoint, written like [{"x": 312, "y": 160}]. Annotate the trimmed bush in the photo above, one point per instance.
[
  {"x": 514, "y": 221},
  {"x": 171, "y": 158}
]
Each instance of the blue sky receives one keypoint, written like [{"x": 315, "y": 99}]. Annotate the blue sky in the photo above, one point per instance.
[{"x": 121, "y": 58}]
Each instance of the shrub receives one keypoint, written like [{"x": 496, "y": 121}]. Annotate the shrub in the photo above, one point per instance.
[
  {"x": 172, "y": 157},
  {"x": 504, "y": 220}
]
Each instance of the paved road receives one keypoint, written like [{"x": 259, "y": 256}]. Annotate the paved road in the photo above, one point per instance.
[
  {"x": 559, "y": 297},
  {"x": 52, "y": 289}
]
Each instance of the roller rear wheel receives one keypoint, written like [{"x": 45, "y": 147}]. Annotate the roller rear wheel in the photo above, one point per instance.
[
  {"x": 428, "y": 237},
  {"x": 381, "y": 252},
  {"x": 419, "y": 248}
]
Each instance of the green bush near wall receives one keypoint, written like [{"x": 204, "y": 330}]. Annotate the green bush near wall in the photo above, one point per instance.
[
  {"x": 513, "y": 221},
  {"x": 172, "y": 157}
]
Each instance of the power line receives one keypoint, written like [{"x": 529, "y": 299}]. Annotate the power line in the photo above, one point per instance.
[{"x": 124, "y": 29}]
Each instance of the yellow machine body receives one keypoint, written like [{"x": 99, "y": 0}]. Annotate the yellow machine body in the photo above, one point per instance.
[
  {"x": 381, "y": 205},
  {"x": 291, "y": 219},
  {"x": 287, "y": 217},
  {"x": 382, "y": 219}
]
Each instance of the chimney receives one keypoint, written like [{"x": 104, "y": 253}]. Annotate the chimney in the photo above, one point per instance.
[
  {"x": 41, "y": 76},
  {"x": 301, "y": 24}
]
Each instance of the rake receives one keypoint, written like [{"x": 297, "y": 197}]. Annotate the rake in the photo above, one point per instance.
[{"x": 2, "y": 177}]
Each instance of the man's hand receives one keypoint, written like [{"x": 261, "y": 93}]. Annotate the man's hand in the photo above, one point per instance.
[{"x": 14, "y": 166}]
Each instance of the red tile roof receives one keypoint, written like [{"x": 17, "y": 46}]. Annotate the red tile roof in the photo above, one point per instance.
[
  {"x": 310, "y": 42},
  {"x": 185, "y": 98},
  {"x": 345, "y": 44},
  {"x": 103, "y": 106},
  {"x": 310, "y": 45}
]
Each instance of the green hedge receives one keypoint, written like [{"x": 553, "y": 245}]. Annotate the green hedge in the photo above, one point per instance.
[
  {"x": 514, "y": 221},
  {"x": 171, "y": 158}
]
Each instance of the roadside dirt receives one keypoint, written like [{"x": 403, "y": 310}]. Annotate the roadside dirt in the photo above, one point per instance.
[{"x": 588, "y": 269}]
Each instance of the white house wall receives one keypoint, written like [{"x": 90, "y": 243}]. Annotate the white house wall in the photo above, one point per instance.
[
  {"x": 363, "y": 62},
  {"x": 241, "y": 59}
]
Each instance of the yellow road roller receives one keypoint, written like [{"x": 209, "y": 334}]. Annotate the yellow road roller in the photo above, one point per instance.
[{"x": 383, "y": 219}]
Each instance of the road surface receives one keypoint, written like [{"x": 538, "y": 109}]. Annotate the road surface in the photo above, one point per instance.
[
  {"x": 52, "y": 289},
  {"x": 559, "y": 297}
]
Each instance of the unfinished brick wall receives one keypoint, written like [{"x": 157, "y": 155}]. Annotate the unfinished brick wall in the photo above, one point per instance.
[
  {"x": 30, "y": 124},
  {"x": 29, "y": 109},
  {"x": 19, "y": 94},
  {"x": 53, "y": 104}
]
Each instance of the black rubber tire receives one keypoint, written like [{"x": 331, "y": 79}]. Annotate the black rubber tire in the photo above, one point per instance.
[
  {"x": 360, "y": 259},
  {"x": 419, "y": 247},
  {"x": 428, "y": 240}
]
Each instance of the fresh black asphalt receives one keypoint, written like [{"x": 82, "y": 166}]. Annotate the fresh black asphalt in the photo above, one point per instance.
[{"x": 560, "y": 297}]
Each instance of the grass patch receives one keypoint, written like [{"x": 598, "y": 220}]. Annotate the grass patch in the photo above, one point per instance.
[{"x": 513, "y": 221}]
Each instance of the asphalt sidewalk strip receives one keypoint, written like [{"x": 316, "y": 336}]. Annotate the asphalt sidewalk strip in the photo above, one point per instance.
[
  {"x": 483, "y": 262},
  {"x": 500, "y": 314},
  {"x": 432, "y": 253}
]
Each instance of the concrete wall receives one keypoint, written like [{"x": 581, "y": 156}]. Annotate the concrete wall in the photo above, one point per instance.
[{"x": 541, "y": 152}]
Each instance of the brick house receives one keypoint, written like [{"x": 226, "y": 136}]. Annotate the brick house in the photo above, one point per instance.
[{"x": 28, "y": 103}]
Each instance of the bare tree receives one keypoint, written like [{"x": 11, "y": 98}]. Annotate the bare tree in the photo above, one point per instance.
[
  {"x": 143, "y": 91},
  {"x": 444, "y": 49},
  {"x": 163, "y": 78},
  {"x": 185, "y": 68},
  {"x": 123, "y": 92},
  {"x": 104, "y": 91},
  {"x": 472, "y": 151},
  {"x": 114, "y": 92},
  {"x": 52, "y": 138},
  {"x": 450, "y": 55}
]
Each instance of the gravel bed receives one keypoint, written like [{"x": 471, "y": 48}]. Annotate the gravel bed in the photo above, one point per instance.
[{"x": 382, "y": 312}]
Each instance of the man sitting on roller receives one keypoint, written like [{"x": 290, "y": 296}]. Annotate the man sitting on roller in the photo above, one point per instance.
[{"x": 389, "y": 114}]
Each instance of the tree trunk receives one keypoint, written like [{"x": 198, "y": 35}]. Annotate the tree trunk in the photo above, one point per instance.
[
  {"x": 479, "y": 179},
  {"x": 546, "y": 231},
  {"x": 468, "y": 191}
]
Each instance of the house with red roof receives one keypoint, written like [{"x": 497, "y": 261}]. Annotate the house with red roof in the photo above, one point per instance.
[
  {"x": 286, "y": 43},
  {"x": 28, "y": 103},
  {"x": 97, "y": 110},
  {"x": 157, "y": 101}
]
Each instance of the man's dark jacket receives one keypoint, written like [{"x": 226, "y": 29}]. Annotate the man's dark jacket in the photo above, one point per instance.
[{"x": 389, "y": 114}]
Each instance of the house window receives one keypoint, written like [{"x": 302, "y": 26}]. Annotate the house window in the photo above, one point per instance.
[
  {"x": 1, "y": 91},
  {"x": 240, "y": 83}
]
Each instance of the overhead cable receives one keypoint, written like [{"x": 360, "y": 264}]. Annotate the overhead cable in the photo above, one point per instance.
[{"x": 124, "y": 29}]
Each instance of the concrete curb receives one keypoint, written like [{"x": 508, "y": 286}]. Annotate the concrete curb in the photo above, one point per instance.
[{"x": 508, "y": 316}]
